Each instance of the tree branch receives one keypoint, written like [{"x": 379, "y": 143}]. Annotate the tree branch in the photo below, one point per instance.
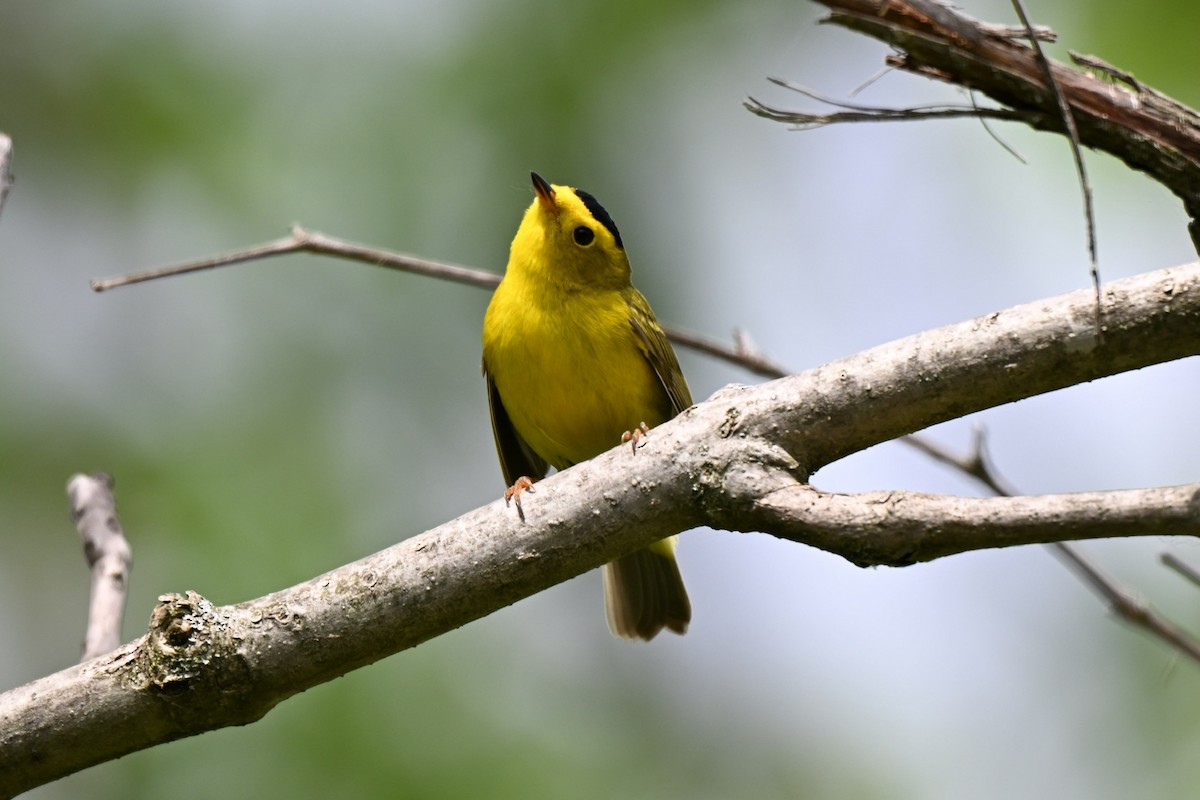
[
  {"x": 305, "y": 241},
  {"x": 1147, "y": 130},
  {"x": 1009, "y": 355},
  {"x": 737, "y": 461},
  {"x": 1072, "y": 134},
  {"x": 1182, "y": 567},
  {"x": 858, "y": 112},
  {"x": 898, "y": 528},
  {"x": 108, "y": 555},
  {"x": 1126, "y": 604},
  {"x": 5, "y": 172}
]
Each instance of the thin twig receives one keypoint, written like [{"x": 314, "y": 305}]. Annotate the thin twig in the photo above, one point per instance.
[
  {"x": 977, "y": 464},
  {"x": 995, "y": 136},
  {"x": 855, "y": 112},
  {"x": 1185, "y": 569},
  {"x": 1068, "y": 119},
  {"x": 868, "y": 83},
  {"x": 1124, "y": 603},
  {"x": 304, "y": 241},
  {"x": 108, "y": 555},
  {"x": 738, "y": 355}
]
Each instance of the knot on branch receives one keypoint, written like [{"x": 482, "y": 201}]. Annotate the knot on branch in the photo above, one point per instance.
[{"x": 187, "y": 634}]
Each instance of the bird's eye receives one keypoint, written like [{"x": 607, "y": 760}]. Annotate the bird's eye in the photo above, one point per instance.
[{"x": 584, "y": 236}]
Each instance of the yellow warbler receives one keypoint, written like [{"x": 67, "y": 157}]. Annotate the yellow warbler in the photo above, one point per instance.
[{"x": 574, "y": 358}]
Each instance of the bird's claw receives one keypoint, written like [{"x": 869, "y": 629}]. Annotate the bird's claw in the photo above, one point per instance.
[
  {"x": 635, "y": 436},
  {"x": 513, "y": 493}
]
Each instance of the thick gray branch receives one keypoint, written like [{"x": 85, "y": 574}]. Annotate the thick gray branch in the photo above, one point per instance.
[
  {"x": 899, "y": 528},
  {"x": 739, "y": 461},
  {"x": 845, "y": 406}
]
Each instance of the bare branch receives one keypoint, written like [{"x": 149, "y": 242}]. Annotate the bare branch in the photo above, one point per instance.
[
  {"x": 202, "y": 667},
  {"x": 5, "y": 168},
  {"x": 900, "y": 528},
  {"x": 1185, "y": 569},
  {"x": 743, "y": 352},
  {"x": 304, "y": 241},
  {"x": 737, "y": 461},
  {"x": 740, "y": 354},
  {"x": 1029, "y": 350},
  {"x": 108, "y": 555},
  {"x": 976, "y": 464},
  {"x": 1158, "y": 308},
  {"x": 1126, "y": 604},
  {"x": 1072, "y": 132},
  {"x": 855, "y": 112},
  {"x": 1147, "y": 130}
]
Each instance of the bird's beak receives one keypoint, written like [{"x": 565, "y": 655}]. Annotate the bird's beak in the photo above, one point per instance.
[{"x": 545, "y": 194}]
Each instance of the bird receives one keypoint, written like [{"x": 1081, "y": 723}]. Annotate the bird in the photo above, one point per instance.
[{"x": 575, "y": 362}]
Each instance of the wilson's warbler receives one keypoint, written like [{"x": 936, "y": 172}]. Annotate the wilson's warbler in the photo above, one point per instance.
[{"x": 574, "y": 358}]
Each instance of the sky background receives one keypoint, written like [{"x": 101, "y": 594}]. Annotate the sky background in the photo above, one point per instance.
[{"x": 269, "y": 422}]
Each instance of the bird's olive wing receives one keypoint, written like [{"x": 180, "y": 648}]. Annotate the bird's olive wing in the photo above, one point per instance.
[
  {"x": 658, "y": 352},
  {"x": 517, "y": 458}
]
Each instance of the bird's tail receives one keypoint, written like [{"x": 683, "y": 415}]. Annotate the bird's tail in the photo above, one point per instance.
[{"x": 643, "y": 593}]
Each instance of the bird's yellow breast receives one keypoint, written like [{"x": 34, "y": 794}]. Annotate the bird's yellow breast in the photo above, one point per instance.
[{"x": 569, "y": 369}]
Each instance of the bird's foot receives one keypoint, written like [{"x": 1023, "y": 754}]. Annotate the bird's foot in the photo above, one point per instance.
[
  {"x": 513, "y": 493},
  {"x": 635, "y": 436}
]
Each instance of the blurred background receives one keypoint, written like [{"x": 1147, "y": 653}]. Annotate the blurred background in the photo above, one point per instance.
[{"x": 268, "y": 422}]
